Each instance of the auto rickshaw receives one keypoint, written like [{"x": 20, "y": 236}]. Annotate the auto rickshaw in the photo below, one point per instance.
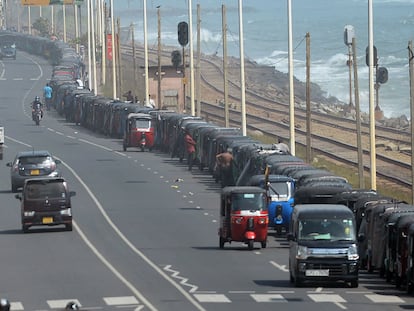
[
  {"x": 243, "y": 216},
  {"x": 139, "y": 131}
]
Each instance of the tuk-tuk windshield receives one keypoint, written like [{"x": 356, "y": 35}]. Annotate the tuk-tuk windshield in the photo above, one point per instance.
[
  {"x": 279, "y": 190},
  {"x": 142, "y": 123},
  {"x": 248, "y": 202},
  {"x": 326, "y": 229}
]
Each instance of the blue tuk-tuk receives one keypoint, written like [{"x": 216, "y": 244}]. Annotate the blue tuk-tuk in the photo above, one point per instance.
[{"x": 281, "y": 198}]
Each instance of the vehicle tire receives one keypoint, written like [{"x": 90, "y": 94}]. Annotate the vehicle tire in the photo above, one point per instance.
[
  {"x": 370, "y": 268},
  {"x": 142, "y": 148},
  {"x": 291, "y": 278},
  {"x": 69, "y": 227},
  {"x": 297, "y": 282},
  {"x": 278, "y": 230},
  {"x": 124, "y": 146},
  {"x": 388, "y": 276},
  {"x": 221, "y": 242},
  {"x": 398, "y": 281},
  {"x": 354, "y": 283},
  {"x": 250, "y": 244},
  {"x": 37, "y": 120},
  {"x": 264, "y": 244},
  {"x": 410, "y": 287},
  {"x": 14, "y": 188},
  {"x": 25, "y": 228}
]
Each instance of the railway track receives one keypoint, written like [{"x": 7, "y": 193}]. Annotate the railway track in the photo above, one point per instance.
[{"x": 332, "y": 136}]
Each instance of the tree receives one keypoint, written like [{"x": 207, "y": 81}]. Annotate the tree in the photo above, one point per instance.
[{"x": 42, "y": 26}]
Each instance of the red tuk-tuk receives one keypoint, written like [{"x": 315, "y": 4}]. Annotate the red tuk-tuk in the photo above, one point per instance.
[
  {"x": 139, "y": 131},
  {"x": 243, "y": 215}
]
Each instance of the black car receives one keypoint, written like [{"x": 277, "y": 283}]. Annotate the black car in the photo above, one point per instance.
[
  {"x": 32, "y": 164},
  {"x": 46, "y": 202},
  {"x": 8, "y": 50}
]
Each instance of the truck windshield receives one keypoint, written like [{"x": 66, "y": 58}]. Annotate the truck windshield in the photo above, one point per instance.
[{"x": 326, "y": 229}]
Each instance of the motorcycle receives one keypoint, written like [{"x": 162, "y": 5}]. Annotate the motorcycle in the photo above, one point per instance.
[{"x": 37, "y": 113}]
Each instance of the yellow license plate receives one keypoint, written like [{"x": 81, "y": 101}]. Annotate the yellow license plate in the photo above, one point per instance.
[
  {"x": 34, "y": 172},
  {"x": 47, "y": 220}
]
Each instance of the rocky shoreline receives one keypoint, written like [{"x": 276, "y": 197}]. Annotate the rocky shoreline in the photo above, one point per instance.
[{"x": 269, "y": 82}]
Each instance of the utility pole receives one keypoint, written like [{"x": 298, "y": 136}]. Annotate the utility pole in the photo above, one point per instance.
[
  {"x": 291, "y": 84},
  {"x": 225, "y": 78},
  {"x": 159, "y": 58},
  {"x": 308, "y": 103},
  {"x": 118, "y": 56},
  {"x": 134, "y": 61},
  {"x": 358, "y": 118},
  {"x": 198, "y": 77},
  {"x": 242, "y": 76},
  {"x": 411, "y": 68},
  {"x": 373, "y": 155}
]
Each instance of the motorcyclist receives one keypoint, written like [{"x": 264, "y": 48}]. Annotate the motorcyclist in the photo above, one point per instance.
[
  {"x": 36, "y": 106},
  {"x": 4, "y": 305}
]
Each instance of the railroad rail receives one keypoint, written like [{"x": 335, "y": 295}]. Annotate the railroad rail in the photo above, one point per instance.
[{"x": 334, "y": 138}]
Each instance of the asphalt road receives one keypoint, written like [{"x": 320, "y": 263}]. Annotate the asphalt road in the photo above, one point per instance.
[{"x": 145, "y": 230}]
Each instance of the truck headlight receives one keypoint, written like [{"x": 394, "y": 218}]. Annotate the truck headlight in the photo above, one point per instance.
[
  {"x": 353, "y": 253},
  {"x": 302, "y": 252}
]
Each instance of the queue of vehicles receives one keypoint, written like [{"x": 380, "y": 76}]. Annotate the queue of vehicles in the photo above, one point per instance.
[{"x": 289, "y": 196}]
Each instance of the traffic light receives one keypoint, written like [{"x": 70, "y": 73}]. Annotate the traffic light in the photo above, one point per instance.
[
  {"x": 382, "y": 75},
  {"x": 176, "y": 58},
  {"x": 367, "y": 56},
  {"x": 183, "y": 33}
]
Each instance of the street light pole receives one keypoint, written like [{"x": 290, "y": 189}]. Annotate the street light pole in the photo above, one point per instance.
[
  {"x": 242, "y": 77},
  {"x": 291, "y": 85},
  {"x": 371, "y": 97}
]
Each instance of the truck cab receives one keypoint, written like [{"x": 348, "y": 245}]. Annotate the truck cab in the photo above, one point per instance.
[{"x": 323, "y": 244}]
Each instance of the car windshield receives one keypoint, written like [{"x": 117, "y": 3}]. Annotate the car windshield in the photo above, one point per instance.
[
  {"x": 35, "y": 160},
  {"x": 248, "y": 201},
  {"x": 326, "y": 229},
  {"x": 41, "y": 190}
]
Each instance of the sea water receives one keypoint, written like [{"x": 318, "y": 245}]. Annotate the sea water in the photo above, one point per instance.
[{"x": 265, "y": 33}]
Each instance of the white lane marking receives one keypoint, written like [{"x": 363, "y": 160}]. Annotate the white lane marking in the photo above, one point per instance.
[
  {"x": 212, "y": 298},
  {"x": 60, "y": 303},
  {"x": 384, "y": 298},
  {"x": 112, "y": 268},
  {"x": 18, "y": 141},
  {"x": 16, "y": 306},
  {"x": 17, "y": 79},
  {"x": 126, "y": 300},
  {"x": 280, "y": 267},
  {"x": 96, "y": 145},
  {"x": 131, "y": 246},
  {"x": 335, "y": 299},
  {"x": 184, "y": 281},
  {"x": 268, "y": 298}
]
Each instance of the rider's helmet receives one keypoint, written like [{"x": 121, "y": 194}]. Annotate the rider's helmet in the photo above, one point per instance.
[
  {"x": 37, "y": 99},
  {"x": 71, "y": 305},
  {"x": 4, "y": 305}
]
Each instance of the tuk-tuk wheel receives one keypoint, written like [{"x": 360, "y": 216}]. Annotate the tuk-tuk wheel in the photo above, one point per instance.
[
  {"x": 221, "y": 243},
  {"x": 250, "y": 244},
  {"x": 354, "y": 283},
  {"x": 410, "y": 287},
  {"x": 264, "y": 244}
]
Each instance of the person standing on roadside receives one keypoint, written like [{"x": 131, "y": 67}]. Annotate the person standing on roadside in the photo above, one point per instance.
[
  {"x": 47, "y": 94},
  {"x": 190, "y": 146}
]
